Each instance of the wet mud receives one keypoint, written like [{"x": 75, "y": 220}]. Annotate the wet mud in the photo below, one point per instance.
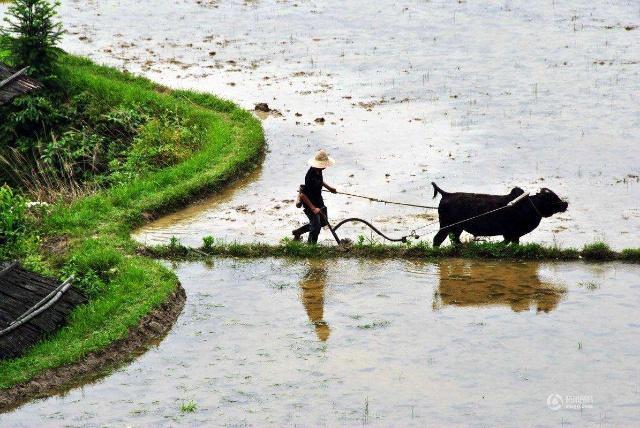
[
  {"x": 343, "y": 343},
  {"x": 477, "y": 97}
]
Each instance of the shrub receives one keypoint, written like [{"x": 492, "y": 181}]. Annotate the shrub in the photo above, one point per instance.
[
  {"x": 29, "y": 118},
  {"x": 93, "y": 265},
  {"x": 13, "y": 216},
  {"x": 32, "y": 34}
]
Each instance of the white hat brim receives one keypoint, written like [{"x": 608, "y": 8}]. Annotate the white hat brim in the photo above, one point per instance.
[{"x": 321, "y": 164}]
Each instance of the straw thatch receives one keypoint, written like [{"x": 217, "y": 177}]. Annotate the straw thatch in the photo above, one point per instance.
[
  {"x": 14, "y": 83},
  {"x": 20, "y": 292}
]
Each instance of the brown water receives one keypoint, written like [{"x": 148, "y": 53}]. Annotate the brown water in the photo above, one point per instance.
[
  {"x": 345, "y": 343},
  {"x": 475, "y": 96}
]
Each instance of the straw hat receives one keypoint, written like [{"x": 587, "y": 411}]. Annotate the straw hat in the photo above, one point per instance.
[{"x": 321, "y": 160}]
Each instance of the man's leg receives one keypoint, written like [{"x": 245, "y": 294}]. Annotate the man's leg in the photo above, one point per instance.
[
  {"x": 314, "y": 230},
  {"x": 304, "y": 229},
  {"x": 300, "y": 231},
  {"x": 316, "y": 224}
]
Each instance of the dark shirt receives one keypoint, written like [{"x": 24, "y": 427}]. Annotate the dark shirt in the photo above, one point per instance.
[{"x": 313, "y": 187}]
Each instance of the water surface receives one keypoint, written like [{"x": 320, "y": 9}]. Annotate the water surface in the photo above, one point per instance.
[{"x": 344, "y": 343}]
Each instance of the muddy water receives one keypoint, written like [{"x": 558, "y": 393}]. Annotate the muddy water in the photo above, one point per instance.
[
  {"x": 274, "y": 342},
  {"x": 475, "y": 96}
]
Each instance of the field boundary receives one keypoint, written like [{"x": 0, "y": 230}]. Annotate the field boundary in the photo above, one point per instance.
[{"x": 420, "y": 250}]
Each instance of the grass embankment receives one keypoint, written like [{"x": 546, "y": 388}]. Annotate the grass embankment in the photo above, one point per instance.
[
  {"x": 90, "y": 236},
  {"x": 421, "y": 250}
]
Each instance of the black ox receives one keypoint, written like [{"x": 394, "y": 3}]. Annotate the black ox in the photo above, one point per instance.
[{"x": 511, "y": 222}]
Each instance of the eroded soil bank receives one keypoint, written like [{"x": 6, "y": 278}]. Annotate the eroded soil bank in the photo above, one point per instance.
[{"x": 273, "y": 342}]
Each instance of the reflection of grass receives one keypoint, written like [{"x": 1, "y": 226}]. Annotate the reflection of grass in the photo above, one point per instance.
[
  {"x": 419, "y": 250},
  {"x": 589, "y": 285},
  {"x": 374, "y": 324}
]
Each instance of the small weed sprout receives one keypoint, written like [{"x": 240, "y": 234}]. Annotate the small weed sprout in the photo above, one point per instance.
[
  {"x": 188, "y": 407},
  {"x": 207, "y": 242},
  {"x": 174, "y": 243}
]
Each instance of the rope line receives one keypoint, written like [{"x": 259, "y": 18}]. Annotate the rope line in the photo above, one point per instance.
[{"x": 372, "y": 199}]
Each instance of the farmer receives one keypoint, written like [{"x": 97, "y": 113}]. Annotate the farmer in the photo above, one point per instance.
[{"x": 310, "y": 196}]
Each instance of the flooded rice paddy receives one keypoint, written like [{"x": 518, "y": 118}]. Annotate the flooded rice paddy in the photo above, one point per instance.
[
  {"x": 475, "y": 96},
  {"x": 345, "y": 343}
]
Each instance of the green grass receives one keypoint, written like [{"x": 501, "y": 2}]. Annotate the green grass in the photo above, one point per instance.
[
  {"x": 188, "y": 407},
  {"x": 598, "y": 251},
  {"x": 419, "y": 250},
  {"x": 95, "y": 230}
]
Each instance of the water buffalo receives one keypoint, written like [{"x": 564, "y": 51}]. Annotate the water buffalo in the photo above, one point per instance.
[{"x": 511, "y": 222}]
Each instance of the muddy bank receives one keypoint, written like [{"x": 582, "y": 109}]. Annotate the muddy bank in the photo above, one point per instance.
[{"x": 149, "y": 332}]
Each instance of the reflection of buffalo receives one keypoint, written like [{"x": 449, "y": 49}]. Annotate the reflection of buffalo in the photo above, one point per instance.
[
  {"x": 312, "y": 287},
  {"x": 517, "y": 285}
]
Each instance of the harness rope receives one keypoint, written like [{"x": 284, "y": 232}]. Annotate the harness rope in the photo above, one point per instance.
[{"x": 372, "y": 199}]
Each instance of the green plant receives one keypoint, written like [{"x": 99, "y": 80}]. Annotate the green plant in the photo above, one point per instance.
[
  {"x": 188, "y": 407},
  {"x": 13, "y": 218},
  {"x": 27, "y": 119},
  {"x": 93, "y": 266},
  {"x": 630, "y": 254},
  {"x": 207, "y": 242},
  {"x": 32, "y": 34},
  {"x": 597, "y": 251}
]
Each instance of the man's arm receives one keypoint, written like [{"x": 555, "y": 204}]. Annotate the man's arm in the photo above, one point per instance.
[
  {"x": 329, "y": 188},
  {"x": 308, "y": 204}
]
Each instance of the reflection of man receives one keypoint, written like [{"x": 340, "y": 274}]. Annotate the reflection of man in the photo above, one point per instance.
[
  {"x": 476, "y": 283},
  {"x": 312, "y": 287}
]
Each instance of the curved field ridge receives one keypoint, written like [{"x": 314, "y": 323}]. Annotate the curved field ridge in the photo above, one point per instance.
[
  {"x": 597, "y": 251},
  {"x": 94, "y": 231}
]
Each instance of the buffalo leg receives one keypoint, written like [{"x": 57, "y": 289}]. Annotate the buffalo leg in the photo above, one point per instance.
[
  {"x": 454, "y": 236},
  {"x": 439, "y": 238},
  {"x": 512, "y": 239}
]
